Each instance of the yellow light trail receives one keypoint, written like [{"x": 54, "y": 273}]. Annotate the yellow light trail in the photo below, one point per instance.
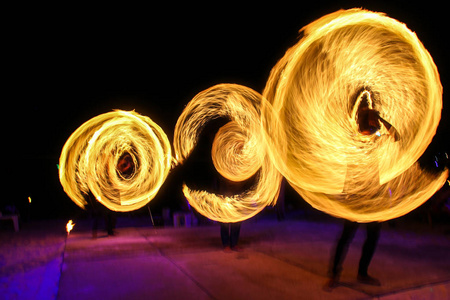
[
  {"x": 345, "y": 61},
  {"x": 121, "y": 157},
  {"x": 350, "y": 109},
  {"x": 238, "y": 151}
]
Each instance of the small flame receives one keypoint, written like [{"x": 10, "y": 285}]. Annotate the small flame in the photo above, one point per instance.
[{"x": 69, "y": 226}]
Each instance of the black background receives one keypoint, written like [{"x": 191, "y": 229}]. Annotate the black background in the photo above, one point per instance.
[{"x": 67, "y": 63}]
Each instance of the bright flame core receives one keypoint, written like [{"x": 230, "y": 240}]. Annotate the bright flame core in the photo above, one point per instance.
[
  {"x": 316, "y": 89},
  {"x": 69, "y": 226},
  {"x": 238, "y": 151},
  {"x": 122, "y": 157}
]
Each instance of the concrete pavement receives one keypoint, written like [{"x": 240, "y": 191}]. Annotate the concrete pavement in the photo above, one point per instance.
[{"x": 281, "y": 260}]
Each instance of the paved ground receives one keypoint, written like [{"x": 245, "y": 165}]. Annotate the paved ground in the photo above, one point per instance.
[{"x": 281, "y": 260}]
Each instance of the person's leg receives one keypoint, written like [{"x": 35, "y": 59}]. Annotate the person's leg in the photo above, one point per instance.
[
  {"x": 111, "y": 222},
  {"x": 95, "y": 218},
  {"x": 235, "y": 229},
  {"x": 368, "y": 250},
  {"x": 342, "y": 247},
  {"x": 340, "y": 252},
  {"x": 373, "y": 234},
  {"x": 108, "y": 223},
  {"x": 225, "y": 234}
]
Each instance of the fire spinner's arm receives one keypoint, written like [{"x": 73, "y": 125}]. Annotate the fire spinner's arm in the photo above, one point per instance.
[{"x": 391, "y": 129}]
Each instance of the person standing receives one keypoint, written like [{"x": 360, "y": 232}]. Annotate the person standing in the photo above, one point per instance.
[
  {"x": 369, "y": 123},
  {"x": 229, "y": 234}
]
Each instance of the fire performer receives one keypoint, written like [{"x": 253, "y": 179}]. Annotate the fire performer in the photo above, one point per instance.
[{"x": 369, "y": 123}]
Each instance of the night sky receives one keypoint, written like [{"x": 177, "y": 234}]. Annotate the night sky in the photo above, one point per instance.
[{"x": 67, "y": 64}]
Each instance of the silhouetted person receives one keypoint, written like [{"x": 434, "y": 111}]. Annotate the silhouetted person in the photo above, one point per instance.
[
  {"x": 199, "y": 173},
  {"x": 280, "y": 205},
  {"x": 125, "y": 169},
  {"x": 229, "y": 233},
  {"x": 125, "y": 166},
  {"x": 369, "y": 123},
  {"x": 439, "y": 204},
  {"x": 99, "y": 211}
]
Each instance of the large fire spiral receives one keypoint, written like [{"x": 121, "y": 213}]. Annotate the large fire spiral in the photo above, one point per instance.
[
  {"x": 238, "y": 151},
  {"x": 354, "y": 104},
  {"x": 121, "y": 157}
]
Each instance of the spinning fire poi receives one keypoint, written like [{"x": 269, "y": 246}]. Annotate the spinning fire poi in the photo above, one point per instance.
[
  {"x": 121, "y": 157},
  {"x": 347, "y": 66},
  {"x": 238, "y": 151},
  {"x": 344, "y": 117}
]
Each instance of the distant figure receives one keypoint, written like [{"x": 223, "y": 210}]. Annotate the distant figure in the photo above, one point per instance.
[
  {"x": 125, "y": 165},
  {"x": 439, "y": 204},
  {"x": 99, "y": 211},
  {"x": 125, "y": 169},
  {"x": 229, "y": 233},
  {"x": 280, "y": 205}
]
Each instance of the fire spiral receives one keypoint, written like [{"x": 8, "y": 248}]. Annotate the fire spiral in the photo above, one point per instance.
[
  {"x": 238, "y": 151},
  {"x": 354, "y": 104},
  {"x": 121, "y": 157}
]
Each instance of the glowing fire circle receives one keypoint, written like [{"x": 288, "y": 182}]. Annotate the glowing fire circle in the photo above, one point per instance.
[
  {"x": 344, "y": 117},
  {"x": 121, "y": 157},
  {"x": 346, "y": 62},
  {"x": 238, "y": 151}
]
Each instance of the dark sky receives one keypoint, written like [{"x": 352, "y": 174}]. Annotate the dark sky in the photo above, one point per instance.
[{"x": 67, "y": 64}]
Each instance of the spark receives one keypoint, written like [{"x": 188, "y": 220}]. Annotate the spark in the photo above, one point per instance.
[
  {"x": 347, "y": 60},
  {"x": 121, "y": 157}
]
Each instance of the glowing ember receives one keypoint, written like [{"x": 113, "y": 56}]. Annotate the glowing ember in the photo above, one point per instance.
[
  {"x": 238, "y": 151},
  {"x": 121, "y": 157},
  {"x": 350, "y": 66},
  {"x": 69, "y": 226}
]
